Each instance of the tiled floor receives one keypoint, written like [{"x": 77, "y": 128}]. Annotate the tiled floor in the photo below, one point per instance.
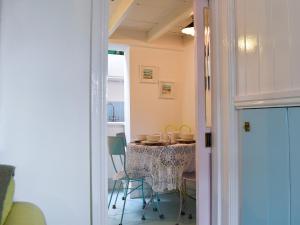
[{"x": 133, "y": 212}]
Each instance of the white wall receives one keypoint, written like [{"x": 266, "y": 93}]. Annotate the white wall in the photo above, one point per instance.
[
  {"x": 116, "y": 64},
  {"x": 116, "y": 68},
  {"x": 44, "y": 104},
  {"x": 115, "y": 91},
  {"x": 269, "y": 64}
]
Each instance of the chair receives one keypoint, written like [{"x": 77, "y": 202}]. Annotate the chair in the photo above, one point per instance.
[
  {"x": 186, "y": 176},
  {"x": 116, "y": 147},
  {"x": 122, "y": 134},
  {"x": 154, "y": 199}
]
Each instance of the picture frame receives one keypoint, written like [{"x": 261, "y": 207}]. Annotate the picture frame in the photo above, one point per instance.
[
  {"x": 167, "y": 90},
  {"x": 148, "y": 74}
]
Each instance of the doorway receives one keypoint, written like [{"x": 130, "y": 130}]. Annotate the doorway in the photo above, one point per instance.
[{"x": 202, "y": 155}]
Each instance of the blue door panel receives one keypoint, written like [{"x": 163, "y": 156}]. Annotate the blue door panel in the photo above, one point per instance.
[
  {"x": 294, "y": 124},
  {"x": 265, "y": 183}
]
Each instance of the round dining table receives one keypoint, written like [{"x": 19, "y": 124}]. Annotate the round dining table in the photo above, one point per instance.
[{"x": 162, "y": 166}]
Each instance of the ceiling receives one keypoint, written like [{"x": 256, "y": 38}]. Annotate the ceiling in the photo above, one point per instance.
[{"x": 154, "y": 18}]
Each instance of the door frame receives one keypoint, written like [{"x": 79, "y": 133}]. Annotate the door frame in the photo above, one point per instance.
[
  {"x": 98, "y": 120},
  {"x": 225, "y": 116},
  {"x": 203, "y": 154},
  {"x": 224, "y": 189}
]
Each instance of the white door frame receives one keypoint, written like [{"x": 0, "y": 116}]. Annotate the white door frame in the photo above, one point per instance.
[
  {"x": 225, "y": 161},
  {"x": 98, "y": 120},
  {"x": 202, "y": 153},
  {"x": 225, "y": 126}
]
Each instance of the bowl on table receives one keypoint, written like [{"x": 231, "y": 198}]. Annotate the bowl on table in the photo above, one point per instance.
[
  {"x": 187, "y": 137},
  {"x": 153, "y": 138},
  {"x": 141, "y": 137},
  {"x": 175, "y": 135}
]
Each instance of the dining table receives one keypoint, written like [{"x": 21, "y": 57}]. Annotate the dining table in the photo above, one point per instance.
[{"x": 161, "y": 165}]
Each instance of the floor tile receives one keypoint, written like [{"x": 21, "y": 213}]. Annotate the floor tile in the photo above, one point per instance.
[{"x": 133, "y": 212}]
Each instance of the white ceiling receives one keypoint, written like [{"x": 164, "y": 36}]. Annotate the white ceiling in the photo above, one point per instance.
[{"x": 147, "y": 15}]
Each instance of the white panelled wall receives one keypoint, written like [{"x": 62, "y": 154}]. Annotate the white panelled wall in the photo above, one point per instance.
[{"x": 268, "y": 46}]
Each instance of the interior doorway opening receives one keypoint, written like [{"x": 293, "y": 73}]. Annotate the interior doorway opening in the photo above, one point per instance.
[{"x": 168, "y": 89}]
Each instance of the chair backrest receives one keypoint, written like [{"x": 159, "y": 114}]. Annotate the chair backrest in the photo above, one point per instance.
[
  {"x": 122, "y": 134},
  {"x": 116, "y": 147}
]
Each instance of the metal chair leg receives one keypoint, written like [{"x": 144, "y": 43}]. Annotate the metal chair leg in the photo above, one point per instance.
[
  {"x": 114, "y": 205},
  {"x": 158, "y": 198},
  {"x": 147, "y": 205},
  {"x": 126, "y": 192},
  {"x": 187, "y": 197},
  {"x": 161, "y": 216},
  {"x": 123, "y": 198},
  {"x": 184, "y": 197},
  {"x": 143, "y": 194},
  {"x": 112, "y": 193},
  {"x": 180, "y": 209}
]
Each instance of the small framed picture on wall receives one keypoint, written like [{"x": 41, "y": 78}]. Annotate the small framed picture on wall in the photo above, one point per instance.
[
  {"x": 148, "y": 74},
  {"x": 166, "y": 89}
]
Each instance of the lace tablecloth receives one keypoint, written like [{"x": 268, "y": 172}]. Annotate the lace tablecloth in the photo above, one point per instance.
[{"x": 162, "y": 166}]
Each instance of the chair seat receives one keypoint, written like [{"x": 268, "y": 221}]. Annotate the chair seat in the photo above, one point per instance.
[
  {"x": 189, "y": 175},
  {"x": 121, "y": 175}
]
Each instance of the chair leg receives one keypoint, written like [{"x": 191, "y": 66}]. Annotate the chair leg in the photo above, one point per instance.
[
  {"x": 114, "y": 206},
  {"x": 184, "y": 197},
  {"x": 126, "y": 192},
  {"x": 147, "y": 205},
  {"x": 143, "y": 195},
  {"x": 158, "y": 206},
  {"x": 112, "y": 193},
  {"x": 158, "y": 198},
  {"x": 123, "y": 198},
  {"x": 180, "y": 208},
  {"x": 187, "y": 197}
]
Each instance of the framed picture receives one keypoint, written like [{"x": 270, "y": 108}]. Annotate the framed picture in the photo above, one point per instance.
[
  {"x": 148, "y": 74},
  {"x": 166, "y": 90}
]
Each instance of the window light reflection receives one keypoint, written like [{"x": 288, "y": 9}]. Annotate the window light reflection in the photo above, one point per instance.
[{"x": 248, "y": 44}]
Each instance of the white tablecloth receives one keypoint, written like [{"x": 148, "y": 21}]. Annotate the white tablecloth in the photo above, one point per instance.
[{"x": 161, "y": 165}]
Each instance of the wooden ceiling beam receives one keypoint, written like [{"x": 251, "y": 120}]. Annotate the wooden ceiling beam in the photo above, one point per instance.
[
  {"x": 119, "y": 15},
  {"x": 169, "y": 23}
]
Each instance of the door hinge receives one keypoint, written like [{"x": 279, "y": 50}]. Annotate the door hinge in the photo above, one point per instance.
[{"x": 208, "y": 140}]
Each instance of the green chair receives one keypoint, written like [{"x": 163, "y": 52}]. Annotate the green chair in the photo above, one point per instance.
[
  {"x": 116, "y": 147},
  {"x": 122, "y": 135}
]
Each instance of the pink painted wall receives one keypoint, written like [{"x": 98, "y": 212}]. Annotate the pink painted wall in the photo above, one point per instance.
[{"x": 149, "y": 113}]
